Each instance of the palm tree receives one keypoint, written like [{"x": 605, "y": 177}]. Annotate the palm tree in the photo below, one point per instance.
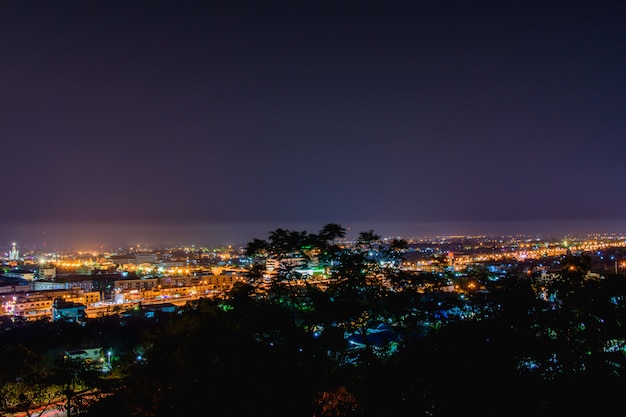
[
  {"x": 288, "y": 242},
  {"x": 331, "y": 231},
  {"x": 368, "y": 238},
  {"x": 396, "y": 250}
]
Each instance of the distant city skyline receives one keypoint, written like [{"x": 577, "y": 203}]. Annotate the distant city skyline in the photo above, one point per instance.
[{"x": 92, "y": 236}]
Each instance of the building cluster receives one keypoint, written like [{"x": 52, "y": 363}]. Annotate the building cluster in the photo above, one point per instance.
[{"x": 79, "y": 286}]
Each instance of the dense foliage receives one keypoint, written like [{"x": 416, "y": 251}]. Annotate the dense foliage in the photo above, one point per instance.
[{"x": 375, "y": 341}]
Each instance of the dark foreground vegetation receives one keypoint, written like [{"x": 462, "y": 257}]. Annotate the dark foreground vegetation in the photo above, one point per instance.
[{"x": 375, "y": 340}]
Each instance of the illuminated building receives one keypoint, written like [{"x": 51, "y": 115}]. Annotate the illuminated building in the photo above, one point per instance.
[{"x": 14, "y": 255}]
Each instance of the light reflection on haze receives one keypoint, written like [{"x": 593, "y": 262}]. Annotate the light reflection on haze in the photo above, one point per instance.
[{"x": 90, "y": 236}]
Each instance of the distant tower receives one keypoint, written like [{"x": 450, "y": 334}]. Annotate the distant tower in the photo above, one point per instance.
[{"x": 14, "y": 255}]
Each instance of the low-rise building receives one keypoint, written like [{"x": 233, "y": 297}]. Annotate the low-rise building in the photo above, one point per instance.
[{"x": 69, "y": 311}]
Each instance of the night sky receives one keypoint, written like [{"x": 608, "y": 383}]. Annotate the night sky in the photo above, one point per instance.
[{"x": 217, "y": 122}]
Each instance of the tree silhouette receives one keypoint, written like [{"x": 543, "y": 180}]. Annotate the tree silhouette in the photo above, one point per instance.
[
  {"x": 332, "y": 231},
  {"x": 503, "y": 350},
  {"x": 367, "y": 239},
  {"x": 394, "y": 254},
  {"x": 75, "y": 377},
  {"x": 257, "y": 248}
]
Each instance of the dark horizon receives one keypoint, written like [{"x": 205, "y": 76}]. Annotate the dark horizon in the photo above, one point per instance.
[{"x": 88, "y": 237}]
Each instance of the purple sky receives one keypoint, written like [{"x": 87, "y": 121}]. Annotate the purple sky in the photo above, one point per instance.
[{"x": 220, "y": 121}]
